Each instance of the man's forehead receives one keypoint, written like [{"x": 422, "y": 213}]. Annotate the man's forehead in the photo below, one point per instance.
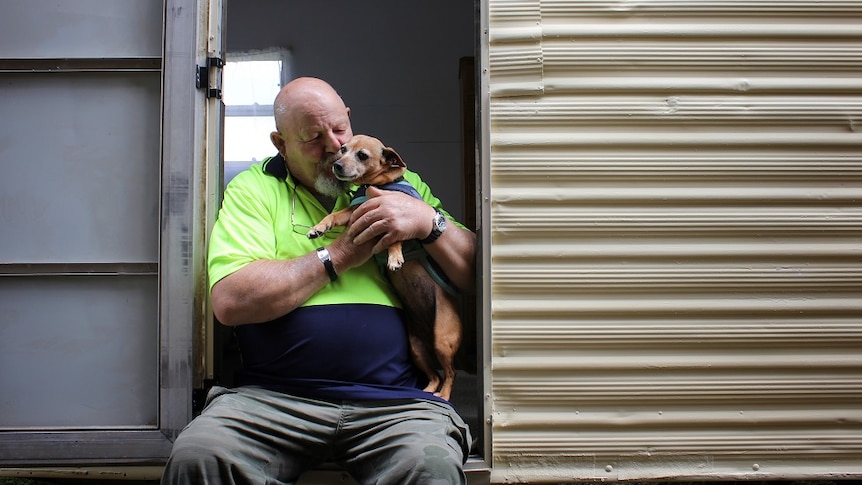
[{"x": 312, "y": 125}]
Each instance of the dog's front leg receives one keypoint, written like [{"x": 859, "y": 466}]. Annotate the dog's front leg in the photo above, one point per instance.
[
  {"x": 340, "y": 218},
  {"x": 395, "y": 257}
]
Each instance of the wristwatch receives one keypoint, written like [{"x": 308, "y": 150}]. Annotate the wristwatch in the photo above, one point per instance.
[{"x": 437, "y": 228}]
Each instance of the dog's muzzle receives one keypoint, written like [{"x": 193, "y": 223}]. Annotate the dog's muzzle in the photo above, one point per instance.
[{"x": 338, "y": 171}]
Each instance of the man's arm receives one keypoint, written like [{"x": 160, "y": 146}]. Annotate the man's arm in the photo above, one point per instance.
[
  {"x": 397, "y": 217},
  {"x": 264, "y": 290}
]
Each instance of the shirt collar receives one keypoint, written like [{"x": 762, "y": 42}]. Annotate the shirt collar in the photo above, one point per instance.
[{"x": 276, "y": 167}]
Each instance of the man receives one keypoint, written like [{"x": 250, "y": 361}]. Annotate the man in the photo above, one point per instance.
[{"x": 326, "y": 371}]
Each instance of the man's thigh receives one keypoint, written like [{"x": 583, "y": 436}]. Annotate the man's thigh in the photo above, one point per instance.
[
  {"x": 410, "y": 442},
  {"x": 252, "y": 433}
]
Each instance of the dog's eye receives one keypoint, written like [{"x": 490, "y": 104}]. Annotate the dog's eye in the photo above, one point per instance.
[
  {"x": 362, "y": 156},
  {"x": 343, "y": 148}
]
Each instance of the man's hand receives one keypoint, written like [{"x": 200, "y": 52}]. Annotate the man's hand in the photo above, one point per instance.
[
  {"x": 391, "y": 216},
  {"x": 346, "y": 253}
]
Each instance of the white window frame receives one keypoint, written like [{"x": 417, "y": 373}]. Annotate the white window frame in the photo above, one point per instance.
[{"x": 244, "y": 146}]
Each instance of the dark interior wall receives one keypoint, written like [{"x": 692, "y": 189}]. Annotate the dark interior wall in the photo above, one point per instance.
[{"x": 394, "y": 62}]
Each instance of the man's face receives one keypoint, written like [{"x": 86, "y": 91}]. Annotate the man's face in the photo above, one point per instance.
[{"x": 311, "y": 143}]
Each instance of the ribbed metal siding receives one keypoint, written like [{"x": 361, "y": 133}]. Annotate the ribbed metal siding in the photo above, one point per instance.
[{"x": 676, "y": 261}]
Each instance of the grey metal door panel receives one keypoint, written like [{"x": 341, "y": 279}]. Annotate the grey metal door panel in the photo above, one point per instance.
[
  {"x": 82, "y": 28},
  {"x": 102, "y": 296},
  {"x": 81, "y": 165},
  {"x": 79, "y": 352}
]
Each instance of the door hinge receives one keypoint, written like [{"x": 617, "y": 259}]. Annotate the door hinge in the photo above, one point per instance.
[{"x": 202, "y": 78}]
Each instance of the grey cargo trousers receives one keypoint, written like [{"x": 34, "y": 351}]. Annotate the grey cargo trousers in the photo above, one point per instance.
[{"x": 250, "y": 435}]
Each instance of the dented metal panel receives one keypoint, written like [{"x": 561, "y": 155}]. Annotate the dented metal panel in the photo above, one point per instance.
[{"x": 675, "y": 263}]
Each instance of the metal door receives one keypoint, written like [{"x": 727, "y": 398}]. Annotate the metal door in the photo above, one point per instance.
[{"x": 106, "y": 197}]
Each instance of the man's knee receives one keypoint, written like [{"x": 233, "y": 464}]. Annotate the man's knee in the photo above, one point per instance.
[
  {"x": 428, "y": 464},
  {"x": 184, "y": 466},
  {"x": 190, "y": 460},
  {"x": 438, "y": 462}
]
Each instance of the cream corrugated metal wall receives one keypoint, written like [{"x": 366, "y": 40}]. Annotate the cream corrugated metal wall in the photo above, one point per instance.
[{"x": 676, "y": 261}]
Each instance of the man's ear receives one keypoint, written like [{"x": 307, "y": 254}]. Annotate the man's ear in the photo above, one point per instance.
[
  {"x": 393, "y": 158},
  {"x": 277, "y": 141}
]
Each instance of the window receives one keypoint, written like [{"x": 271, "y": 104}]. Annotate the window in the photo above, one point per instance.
[{"x": 251, "y": 81}]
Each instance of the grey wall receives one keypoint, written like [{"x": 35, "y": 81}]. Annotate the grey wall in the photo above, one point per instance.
[{"x": 394, "y": 62}]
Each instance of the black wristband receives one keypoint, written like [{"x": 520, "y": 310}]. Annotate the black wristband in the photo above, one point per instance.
[{"x": 323, "y": 255}]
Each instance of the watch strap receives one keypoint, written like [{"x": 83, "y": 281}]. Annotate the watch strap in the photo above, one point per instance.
[
  {"x": 326, "y": 259},
  {"x": 435, "y": 231}
]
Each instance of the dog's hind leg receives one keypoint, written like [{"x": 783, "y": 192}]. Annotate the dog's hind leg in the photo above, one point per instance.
[
  {"x": 424, "y": 360},
  {"x": 418, "y": 297},
  {"x": 448, "y": 333}
]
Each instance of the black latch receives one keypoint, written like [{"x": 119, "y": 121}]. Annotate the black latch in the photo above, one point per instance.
[{"x": 202, "y": 78}]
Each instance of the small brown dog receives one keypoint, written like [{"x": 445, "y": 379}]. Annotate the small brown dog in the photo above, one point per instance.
[{"x": 433, "y": 322}]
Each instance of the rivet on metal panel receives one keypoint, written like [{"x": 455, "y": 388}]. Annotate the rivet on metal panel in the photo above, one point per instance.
[
  {"x": 755, "y": 467},
  {"x": 609, "y": 468}
]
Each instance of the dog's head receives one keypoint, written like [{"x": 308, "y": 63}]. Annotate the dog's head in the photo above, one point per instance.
[{"x": 366, "y": 161}]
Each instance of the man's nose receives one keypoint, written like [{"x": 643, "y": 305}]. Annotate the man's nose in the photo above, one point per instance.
[{"x": 333, "y": 143}]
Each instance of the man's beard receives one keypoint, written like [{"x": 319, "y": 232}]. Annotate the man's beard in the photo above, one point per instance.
[{"x": 326, "y": 183}]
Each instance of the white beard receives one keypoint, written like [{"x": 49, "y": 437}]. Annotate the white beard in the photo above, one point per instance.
[
  {"x": 330, "y": 186},
  {"x": 325, "y": 183}
]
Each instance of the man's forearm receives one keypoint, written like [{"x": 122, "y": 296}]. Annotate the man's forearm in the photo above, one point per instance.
[
  {"x": 455, "y": 253},
  {"x": 264, "y": 290}
]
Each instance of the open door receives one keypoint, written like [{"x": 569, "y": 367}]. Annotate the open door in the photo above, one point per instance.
[{"x": 110, "y": 151}]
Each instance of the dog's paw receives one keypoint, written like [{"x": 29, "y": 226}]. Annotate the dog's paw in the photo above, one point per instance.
[
  {"x": 314, "y": 233},
  {"x": 394, "y": 263},
  {"x": 433, "y": 385}
]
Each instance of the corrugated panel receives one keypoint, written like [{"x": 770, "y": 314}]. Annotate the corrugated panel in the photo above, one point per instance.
[
  {"x": 518, "y": 62},
  {"x": 676, "y": 260}
]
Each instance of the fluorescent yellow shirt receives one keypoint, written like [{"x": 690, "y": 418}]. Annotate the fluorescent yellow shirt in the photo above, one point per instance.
[{"x": 255, "y": 222}]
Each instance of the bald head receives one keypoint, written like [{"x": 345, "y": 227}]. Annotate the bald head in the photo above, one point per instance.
[
  {"x": 302, "y": 96},
  {"x": 312, "y": 122}
]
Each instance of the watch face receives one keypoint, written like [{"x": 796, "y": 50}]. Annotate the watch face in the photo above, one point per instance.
[
  {"x": 437, "y": 230},
  {"x": 440, "y": 221}
]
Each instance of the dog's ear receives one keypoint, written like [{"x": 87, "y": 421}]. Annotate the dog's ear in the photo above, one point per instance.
[{"x": 393, "y": 158}]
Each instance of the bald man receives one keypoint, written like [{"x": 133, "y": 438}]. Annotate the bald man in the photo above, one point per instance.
[{"x": 326, "y": 374}]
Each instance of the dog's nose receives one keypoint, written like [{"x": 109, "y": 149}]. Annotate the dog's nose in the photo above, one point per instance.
[{"x": 338, "y": 167}]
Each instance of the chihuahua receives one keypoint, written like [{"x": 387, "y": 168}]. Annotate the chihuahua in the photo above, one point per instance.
[{"x": 433, "y": 321}]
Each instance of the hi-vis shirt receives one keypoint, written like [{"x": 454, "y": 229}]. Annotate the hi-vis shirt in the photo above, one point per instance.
[{"x": 348, "y": 340}]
